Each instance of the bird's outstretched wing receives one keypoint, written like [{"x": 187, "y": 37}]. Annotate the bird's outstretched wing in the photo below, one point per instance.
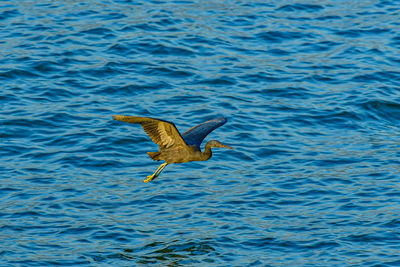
[
  {"x": 196, "y": 134},
  {"x": 163, "y": 133}
]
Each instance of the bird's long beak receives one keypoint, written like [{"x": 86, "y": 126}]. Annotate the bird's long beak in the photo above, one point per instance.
[{"x": 226, "y": 146}]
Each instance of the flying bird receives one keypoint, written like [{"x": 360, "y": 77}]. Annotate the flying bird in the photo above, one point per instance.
[{"x": 173, "y": 146}]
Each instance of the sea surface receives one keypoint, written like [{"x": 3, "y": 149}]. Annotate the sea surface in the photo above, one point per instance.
[{"x": 311, "y": 90}]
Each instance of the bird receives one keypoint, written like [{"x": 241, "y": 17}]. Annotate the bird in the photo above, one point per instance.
[{"x": 173, "y": 146}]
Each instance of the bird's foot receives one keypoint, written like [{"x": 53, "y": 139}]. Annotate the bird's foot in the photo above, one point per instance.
[
  {"x": 155, "y": 174},
  {"x": 149, "y": 178}
]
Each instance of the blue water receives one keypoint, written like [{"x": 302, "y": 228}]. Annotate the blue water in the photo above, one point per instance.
[{"x": 311, "y": 91}]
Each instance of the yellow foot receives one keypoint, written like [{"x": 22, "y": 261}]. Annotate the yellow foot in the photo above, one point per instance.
[{"x": 149, "y": 178}]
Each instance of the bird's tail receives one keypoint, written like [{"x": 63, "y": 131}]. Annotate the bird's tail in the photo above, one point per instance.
[{"x": 154, "y": 155}]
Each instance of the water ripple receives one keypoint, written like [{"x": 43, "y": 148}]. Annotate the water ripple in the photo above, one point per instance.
[{"x": 311, "y": 93}]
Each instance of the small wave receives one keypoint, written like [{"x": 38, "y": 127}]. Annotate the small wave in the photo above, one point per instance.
[
  {"x": 221, "y": 81},
  {"x": 300, "y": 7},
  {"x": 160, "y": 49},
  {"x": 169, "y": 72},
  {"x": 18, "y": 73},
  {"x": 379, "y": 109},
  {"x": 281, "y": 36}
]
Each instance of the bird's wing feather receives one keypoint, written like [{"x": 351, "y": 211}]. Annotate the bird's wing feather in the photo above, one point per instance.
[
  {"x": 196, "y": 134},
  {"x": 163, "y": 133}
]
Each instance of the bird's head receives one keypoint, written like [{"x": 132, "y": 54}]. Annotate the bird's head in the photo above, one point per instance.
[{"x": 215, "y": 143}]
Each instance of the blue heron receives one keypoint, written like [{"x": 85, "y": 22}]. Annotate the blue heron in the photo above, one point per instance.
[{"x": 174, "y": 147}]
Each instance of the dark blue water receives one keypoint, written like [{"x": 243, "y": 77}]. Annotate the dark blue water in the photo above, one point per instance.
[{"x": 311, "y": 90}]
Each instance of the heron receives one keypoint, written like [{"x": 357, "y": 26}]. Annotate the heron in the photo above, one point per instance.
[{"x": 173, "y": 146}]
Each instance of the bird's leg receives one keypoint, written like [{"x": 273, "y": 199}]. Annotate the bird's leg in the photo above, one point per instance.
[{"x": 156, "y": 173}]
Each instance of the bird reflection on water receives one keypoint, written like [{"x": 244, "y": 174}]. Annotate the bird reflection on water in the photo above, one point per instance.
[{"x": 174, "y": 147}]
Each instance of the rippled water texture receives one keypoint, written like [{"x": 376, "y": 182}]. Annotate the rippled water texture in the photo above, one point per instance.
[{"x": 311, "y": 91}]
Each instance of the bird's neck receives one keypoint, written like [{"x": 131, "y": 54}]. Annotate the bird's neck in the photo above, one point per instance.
[{"x": 207, "y": 152}]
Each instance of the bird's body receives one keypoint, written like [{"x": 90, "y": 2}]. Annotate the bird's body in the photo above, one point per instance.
[
  {"x": 174, "y": 147},
  {"x": 178, "y": 154}
]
